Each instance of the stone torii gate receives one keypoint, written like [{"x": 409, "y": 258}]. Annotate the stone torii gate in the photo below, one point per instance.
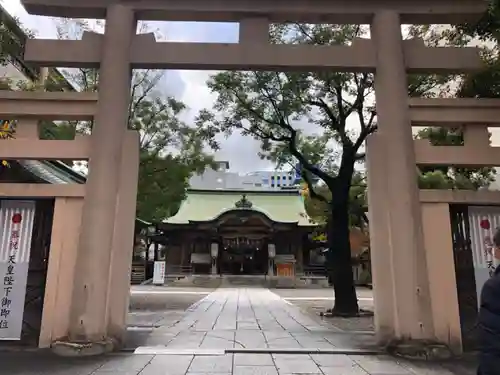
[{"x": 402, "y": 296}]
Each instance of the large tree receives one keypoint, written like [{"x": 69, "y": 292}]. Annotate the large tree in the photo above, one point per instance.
[
  {"x": 486, "y": 33},
  {"x": 305, "y": 118},
  {"x": 488, "y": 27},
  {"x": 170, "y": 150},
  {"x": 320, "y": 120},
  {"x": 485, "y": 84},
  {"x": 319, "y": 211}
]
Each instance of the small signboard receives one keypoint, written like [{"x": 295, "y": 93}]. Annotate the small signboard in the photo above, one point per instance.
[
  {"x": 159, "y": 272},
  {"x": 16, "y": 221},
  {"x": 483, "y": 221},
  {"x": 285, "y": 270}
]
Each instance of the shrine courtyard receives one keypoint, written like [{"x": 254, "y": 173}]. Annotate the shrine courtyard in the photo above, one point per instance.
[{"x": 188, "y": 331}]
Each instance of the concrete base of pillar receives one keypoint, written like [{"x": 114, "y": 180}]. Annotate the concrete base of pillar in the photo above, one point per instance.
[
  {"x": 427, "y": 350},
  {"x": 84, "y": 349}
]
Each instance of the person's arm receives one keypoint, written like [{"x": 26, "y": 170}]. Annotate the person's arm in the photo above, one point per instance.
[{"x": 490, "y": 296}]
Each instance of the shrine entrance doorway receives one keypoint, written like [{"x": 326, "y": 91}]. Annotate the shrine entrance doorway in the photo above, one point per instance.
[{"x": 243, "y": 256}]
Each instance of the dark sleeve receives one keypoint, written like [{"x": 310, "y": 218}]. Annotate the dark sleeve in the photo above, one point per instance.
[
  {"x": 489, "y": 312},
  {"x": 488, "y": 292}
]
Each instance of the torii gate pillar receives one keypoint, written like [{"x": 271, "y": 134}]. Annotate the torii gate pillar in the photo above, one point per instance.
[
  {"x": 88, "y": 318},
  {"x": 404, "y": 288}
]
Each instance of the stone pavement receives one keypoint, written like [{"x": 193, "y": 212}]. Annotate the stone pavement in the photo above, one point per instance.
[
  {"x": 317, "y": 301},
  {"x": 251, "y": 319},
  {"x": 216, "y": 336},
  {"x": 226, "y": 364}
]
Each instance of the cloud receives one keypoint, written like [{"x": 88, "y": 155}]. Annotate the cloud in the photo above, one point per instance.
[
  {"x": 172, "y": 84},
  {"x": 240, "y": 151}
]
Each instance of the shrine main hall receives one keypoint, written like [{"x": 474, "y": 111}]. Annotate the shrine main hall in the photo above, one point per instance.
[{"x": 236, "y": 232}]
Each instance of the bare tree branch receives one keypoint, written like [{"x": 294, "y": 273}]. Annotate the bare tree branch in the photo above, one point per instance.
[
  {"x": 335, "y": 122},
  {"x": 312, "y": 39},
  {"x": 283, "y": 120},
  {"x": 292, "y": 146},
  {"x": 264, "y": 135},
  {"x": 135, "y": 102},
  {"x": 257, "y": 115},
  {"x": 368, "y": 129}
]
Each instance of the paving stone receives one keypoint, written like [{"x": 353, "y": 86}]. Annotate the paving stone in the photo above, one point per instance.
[
  {"x": 188, "y": 340},
  {"x": 380, "y": 365},
  {"x": 250, "y": 339},
  {"x": 243, "y": 359},
  {"x": 44, "y": 363},
  {"x": 288, "y": 357},
  {"x": 144, "y": 318},
  {"x": 313, "y": 341},
  {"x": 274, "y": 336},
  {"x": 214, "y": 343},
  {"x": 356, "y": 370},
  {"x": 125, "y": 363},
  {"x": 255, "y": 370},
  {"x": 420, "y": 368},
  {"x": 168, "y": 365},
  {"x": 212, "y": 364},
  {"x": 283, "y": 343},
  {"x": 158, "y": 339},
  {"x": 219, "y": 335},
  {"x": 117, "y": 372},
  {"x": 247, "y": 325},
  {"x": 299, "y": 365},
  {"x": 333, "y": 360},
  {"x": 79, "y": 369},
  {"x": 225, "y": 325}
]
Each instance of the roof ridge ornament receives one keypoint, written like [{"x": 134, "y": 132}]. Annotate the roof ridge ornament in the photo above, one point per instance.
[{"x": 243, "y": 202}]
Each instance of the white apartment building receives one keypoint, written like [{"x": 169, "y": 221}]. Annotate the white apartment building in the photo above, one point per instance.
[
  {"x": 221, "y": 178},
  {"x": 272, "y": 179}
]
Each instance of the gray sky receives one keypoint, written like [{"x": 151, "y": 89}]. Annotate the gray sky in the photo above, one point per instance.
[{"x": 187, "y": 86}]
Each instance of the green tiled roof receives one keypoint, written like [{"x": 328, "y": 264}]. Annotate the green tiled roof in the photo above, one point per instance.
[{"x": 204, "y": 205}]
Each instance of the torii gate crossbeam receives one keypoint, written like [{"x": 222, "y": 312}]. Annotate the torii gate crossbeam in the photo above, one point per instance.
[{"x": 280, "y": 11}]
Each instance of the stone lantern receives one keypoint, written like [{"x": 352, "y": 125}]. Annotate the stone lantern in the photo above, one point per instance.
[
  {"x": 271, "y": 252},
  {"x": 214, "y": 252}
]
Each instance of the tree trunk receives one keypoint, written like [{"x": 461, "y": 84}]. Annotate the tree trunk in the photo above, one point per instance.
[{"x": 339, "y": 257}]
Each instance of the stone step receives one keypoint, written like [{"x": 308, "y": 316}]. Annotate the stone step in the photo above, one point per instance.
[
  {"x": 255, "y": 281},
  {"x": 200, "y": 281},
  {"x": 244, "y": 280}
]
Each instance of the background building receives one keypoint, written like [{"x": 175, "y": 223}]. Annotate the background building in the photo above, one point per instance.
[
  {"x": 273, "y": 179},
  {"x": 221, "y": 178}
]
